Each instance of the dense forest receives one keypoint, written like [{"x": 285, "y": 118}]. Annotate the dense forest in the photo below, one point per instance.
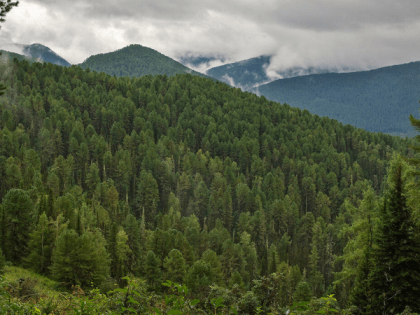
[{"x": 186, "y": 180}]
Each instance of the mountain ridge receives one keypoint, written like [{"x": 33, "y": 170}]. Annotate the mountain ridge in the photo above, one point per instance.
[{"x": 376, "y": 100}]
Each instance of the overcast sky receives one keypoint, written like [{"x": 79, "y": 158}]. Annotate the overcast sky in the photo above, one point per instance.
[{"x": 363, "y": 33}]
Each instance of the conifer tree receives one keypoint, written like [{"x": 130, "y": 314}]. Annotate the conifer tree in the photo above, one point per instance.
[
  {"x": 40, "y": 243},
  {"x": 17, "y": 207},
  {"x": 175, "y": 267},
  {"x": 81, "y": 259},
  {"x": 303, "y": 292},
  {"x": 395, "y": 279},
  {"x": 152, "y": 271}
]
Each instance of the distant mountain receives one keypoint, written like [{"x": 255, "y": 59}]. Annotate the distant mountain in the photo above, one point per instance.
[
  {"x": 375, "y": 100},
  {"x": 203, "y": 63},
  {"x": 250, "y": 73},
  {"x": 245, "y": 74},
  {"x": 43, "y": 53},
  {"x": 135, "y": 61},
  {"x": 35, "y": 52}
]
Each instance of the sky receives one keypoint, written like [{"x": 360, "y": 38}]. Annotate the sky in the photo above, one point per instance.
[{"x": 357, "y": 33}]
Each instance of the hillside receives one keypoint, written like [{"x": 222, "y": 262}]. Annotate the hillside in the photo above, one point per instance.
[
  {"x": 135, "y": 61},
  {"x": 183, "y": 179},
  {"x": 375, "y": 100}
]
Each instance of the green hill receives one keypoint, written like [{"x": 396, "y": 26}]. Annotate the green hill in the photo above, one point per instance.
[
  {"x": 375, "y": 100},
  {"x": 135, "y": 61}
]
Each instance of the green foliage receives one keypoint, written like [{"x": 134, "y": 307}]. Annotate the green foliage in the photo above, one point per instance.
[
  {"x": 303, "y": 292},
  {"x": 80, "y": 260},
  {"x": 183, "y": 176},
  {"x": 2, "y": 261},
  {"x": 395, "y": 277},
  {"x": 175, "y": 267},
  {"x": 17, "y": 212}
]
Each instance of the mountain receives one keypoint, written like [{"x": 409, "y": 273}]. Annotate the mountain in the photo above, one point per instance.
[
  {"x": 198, "y": 61},
  {"x": 43, "y": 53},
  {"x": 33, "y": 53},
  {"x": 375, "y": 100},
  {"x": 250, "y": 73},
  {"x": 135, "y": 61}
]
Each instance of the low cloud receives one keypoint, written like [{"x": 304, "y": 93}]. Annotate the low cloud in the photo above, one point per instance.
[{"x": 297, "y": 33}]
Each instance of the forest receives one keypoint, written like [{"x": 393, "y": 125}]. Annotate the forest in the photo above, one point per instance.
[{"x": 183, "y": 195}]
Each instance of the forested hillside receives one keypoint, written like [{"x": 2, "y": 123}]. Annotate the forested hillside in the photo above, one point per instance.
[
  {"x": 135, "y": 61},
  {"x": 186, "y": 179},
  {"x": 376, "y": 100}
]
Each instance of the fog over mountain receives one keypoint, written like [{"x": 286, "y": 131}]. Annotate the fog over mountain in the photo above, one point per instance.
[{"x": 319, "y": 34}]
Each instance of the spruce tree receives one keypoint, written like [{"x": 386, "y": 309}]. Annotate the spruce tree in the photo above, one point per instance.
[{"x": 395, "y": 279}]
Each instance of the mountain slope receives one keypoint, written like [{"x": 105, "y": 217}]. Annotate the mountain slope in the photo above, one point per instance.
[
  {"x": 135, "y": 61},
  {"x": 250, "y": 73},
  {"x": 34, "y": 53},
  {"x": 45, "y": 54},
  {"x": 375, "y": 100}
]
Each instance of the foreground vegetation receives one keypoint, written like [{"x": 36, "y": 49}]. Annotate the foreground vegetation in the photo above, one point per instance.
[{"x": 248, "y": 203}]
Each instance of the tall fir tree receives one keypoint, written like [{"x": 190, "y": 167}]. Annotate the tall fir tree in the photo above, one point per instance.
[{"x": 395, "y": 279}]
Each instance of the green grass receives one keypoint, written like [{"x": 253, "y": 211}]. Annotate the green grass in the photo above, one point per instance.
[{"x": 39, "y": 285}]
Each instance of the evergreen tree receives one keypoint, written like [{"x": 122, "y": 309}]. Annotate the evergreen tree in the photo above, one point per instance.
[
  {"x": 40, "y": 243},
  {"x": 175, "y": 268},
  {"x": 303, "y": 292},
  {"x": 17, "y": 207},
  {"x": 152, "y": 271},
  {"x": 80, "y": 260},
  {"x": 134, "y": 243},
  {"x": 395, "y": 279}
]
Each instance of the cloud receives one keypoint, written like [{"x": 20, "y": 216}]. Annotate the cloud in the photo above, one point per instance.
[
  {"x": 6, "y": 43},
  {"x": 295, "y": 32}
]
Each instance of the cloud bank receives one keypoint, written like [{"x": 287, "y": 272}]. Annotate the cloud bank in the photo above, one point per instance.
[{"x": 297, "y": 33}]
